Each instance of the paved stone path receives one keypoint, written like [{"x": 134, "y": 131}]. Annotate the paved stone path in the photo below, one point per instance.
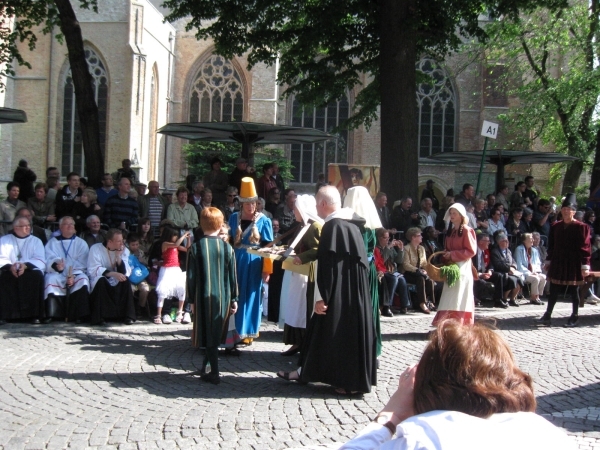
[{"x": 122, "y": 387}]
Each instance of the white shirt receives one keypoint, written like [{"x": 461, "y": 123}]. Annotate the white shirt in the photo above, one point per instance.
[
  {"x": 99, "y": 261},
  {"x": 30, "y": 249}
]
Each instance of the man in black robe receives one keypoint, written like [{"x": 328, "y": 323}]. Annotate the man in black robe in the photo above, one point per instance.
[{"x": 339, "y": 347}]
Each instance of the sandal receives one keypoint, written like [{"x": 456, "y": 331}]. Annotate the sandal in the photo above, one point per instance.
[
  {"x": 286, "y": 376},
  {"x": 342, "y": 391},
  {"x": 157, "y": 320},
  {"x": 179, "y": 317}
]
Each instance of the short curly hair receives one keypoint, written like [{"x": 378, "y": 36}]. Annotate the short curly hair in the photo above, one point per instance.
[{"x": 470, "y": 369}]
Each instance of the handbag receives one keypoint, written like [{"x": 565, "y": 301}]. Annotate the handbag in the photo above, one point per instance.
[{"x": 139, "y": 272}]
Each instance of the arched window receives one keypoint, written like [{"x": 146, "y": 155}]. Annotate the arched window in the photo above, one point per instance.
[
  {"x": 437, "y": 114},
  {"x": 73, "y": 159},
  {"x": 309, "y": 160},
  {"x": 217, "y": 93}
]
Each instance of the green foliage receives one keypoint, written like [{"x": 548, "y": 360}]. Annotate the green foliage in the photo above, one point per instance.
[
  {"x": 583, "y": 194},
  {"x": 29, "y": 14},
  {"x": 198, "y": 156}
]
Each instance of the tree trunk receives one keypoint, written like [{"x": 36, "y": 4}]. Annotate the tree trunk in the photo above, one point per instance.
[
  {"x": 399, "y": 153},
  {"x": 572, "y": 175},
  {"x": 85, "y": 100}
]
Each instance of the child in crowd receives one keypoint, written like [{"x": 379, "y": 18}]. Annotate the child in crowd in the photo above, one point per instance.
[
  {"x": 137, "y": 255},
  {"x": 171, "y": 280},
  {"x": 146, "y": 234},
  {"x": 212, "y": 286}
]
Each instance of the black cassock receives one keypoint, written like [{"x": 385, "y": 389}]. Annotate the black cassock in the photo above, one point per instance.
[{"x": 339, "y": 348}]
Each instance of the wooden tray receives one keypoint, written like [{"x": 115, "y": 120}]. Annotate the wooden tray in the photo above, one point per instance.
[{"x": 288, "y": 262}]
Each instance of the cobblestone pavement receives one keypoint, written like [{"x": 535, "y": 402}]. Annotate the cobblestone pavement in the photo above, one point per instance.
[{"x": 122, "y": 387}]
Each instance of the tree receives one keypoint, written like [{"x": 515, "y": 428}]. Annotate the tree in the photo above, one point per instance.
[
  {"x": 325, "y": 46},
  {"x": 19, "y": 18},
  {"x": 552, "y": 67}
]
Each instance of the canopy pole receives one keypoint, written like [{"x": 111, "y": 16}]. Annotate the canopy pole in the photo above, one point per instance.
[{"x": 485, "y": 143}]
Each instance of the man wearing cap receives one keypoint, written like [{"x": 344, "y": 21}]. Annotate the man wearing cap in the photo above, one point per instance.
[
  {"x": 568, "y": 259},
  {"x": 140, "y": 188},
  {"x": 241, "y": 170},
  {"x": 429, "y": 193}
]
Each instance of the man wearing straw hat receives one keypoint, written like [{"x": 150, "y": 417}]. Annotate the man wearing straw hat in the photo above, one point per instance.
[{"x": 250, "y": 228}]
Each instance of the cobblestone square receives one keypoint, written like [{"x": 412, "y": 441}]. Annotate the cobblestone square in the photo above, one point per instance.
[{"x": 68, "y": 386}]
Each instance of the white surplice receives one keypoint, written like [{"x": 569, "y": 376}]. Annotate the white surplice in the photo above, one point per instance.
[
  {"x": 29, "y": 248},
  {"x": 74, "y": 253},
  {"x": 101, "y": 260}
]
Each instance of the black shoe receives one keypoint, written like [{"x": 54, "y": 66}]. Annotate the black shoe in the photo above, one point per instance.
[
  {"x": 102, "y": 323},
  {"x": 386, "y": 312},
  {"x": 513, "y": 303},
  {"x": 500, "y": 304},
  {"x": 544, "y": 320},
  {"x": 2, "y": 322},
  {"x": 128, "y": 321},
  {"x": 403, "y": 311},
  {"x": 35, "y": 321},
  {"x": 211, "y": 378},
  {"x": 291, "y": 351},
  {"x": 572, "y": 322},
  {"x": 47, "y": 320}
]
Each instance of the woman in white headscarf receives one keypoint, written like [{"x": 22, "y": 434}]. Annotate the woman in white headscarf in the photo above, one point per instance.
[
  {"x": 359, "y": 200},
  {"x": 457, "y": 302},
  {"x": 295, "y": 310}
]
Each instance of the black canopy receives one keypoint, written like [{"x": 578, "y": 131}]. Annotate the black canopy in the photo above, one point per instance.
[
  {"x": 501, "y": 158},
  {"x": 8, "y": 115},
  {"x": 246, "y": 133}
]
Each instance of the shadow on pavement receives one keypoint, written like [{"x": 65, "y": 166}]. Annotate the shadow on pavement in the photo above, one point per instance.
[{"x": 571, "y": 402}]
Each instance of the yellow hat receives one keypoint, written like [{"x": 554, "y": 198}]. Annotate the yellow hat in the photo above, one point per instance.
[{"x": 247, "y": 191}]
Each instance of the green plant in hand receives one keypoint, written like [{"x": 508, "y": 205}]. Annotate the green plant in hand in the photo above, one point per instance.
[{"x": 451, "y": 273}]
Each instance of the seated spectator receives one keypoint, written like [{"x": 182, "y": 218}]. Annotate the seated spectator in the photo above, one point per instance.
[
  {"x": 195, "y": 196},
  {"x": 94, "y": 234},
  {"x": 388, "y": 256},
  {"x": 121, "y": 211},
  {"x": 427, "y": 216},
  {"x": 231, "y": 204},
  {"x": 9, "y": 207},
  {"x": 83, "y": 183},
  {"x": 39, "y": 232},
  {"x": 430, "y": 241},
  {"x": 22, "y": 264},
  {"x": 526, "y": 220},
  {"x": 182, "y": 214},
  {"x": 273, "y": 200},
  {"x": 68, "y": 196},
  {"x": 470, "y": 210},
  {"x": 137, "y": 255},
  {"x": 107, "y": 189},
  {"x": 504, "y": 211},
  {"x": 530, "y": 265},
  {"x": 403, "y": 217},
  {"x": 467, "y": 196},
  {"x": 466, "y": 392},
  {"x": 491, "y": 201},
  {"x": 108, "y": 269},
  {"x": 260, "y": 207},
  {"x": 495, "y": 222},
  {"x": 285, "y": 211},
  {"x": 503, "y": 263},
  {"x": 87, "y": 206},
  {"x": 483, "y": 286},
  {"x": 41, "y": 206},
  {"x": 514, "y": 225},
  {"x": 543, "y": 217},
  {"x": 66, "y": 273},
  {"x": 146, "y": 234},
  {"x": 413, "y": 269},
  {"x": 275, "y": 225},
  {"x": 481, "y": 216}
]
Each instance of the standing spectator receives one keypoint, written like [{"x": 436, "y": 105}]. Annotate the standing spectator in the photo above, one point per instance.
[
  {"x": 402, "y": 216},
  {"x": 273, "y": 201},
  {"x": 277, "y": 177},
  {"x": 195, "y": 197},
  {"x": 383, "y": 211},
  {"x": 217, "y": 181},
  {"x": 146, "y": 235},
  {"x": 502, "y": 197},
  {"x": 429, "y": 193},
  {"x": 516, "y": 198},
  {"x": 68, "y": 196},
  {"x": 260, "y": 207},
  {"x": 481, "y": 216},
  {"x": 241, "y": 170},
  {"x": 121, "y": 211},
  {"x": 66, "y": 271},
  {"x": 526, "y": 219},
  {"x": 285, "y": 211},
  {"x": 231, "y": 204},
  {"x": 39, "y": 232},
  {"x": 543, "y": 217},
  {"x": 25, "y": 177},
  {"x": 52, "y": 172},
  {"x": 467, "y": 196},
  {"x": 94, "y": 234},
  {"x": 86, "y": 207},
  {"x": 275, "y": 226},
  {"x": 83, "y": 183},
  {"x": 569, "y": 254},
  {"x": 140, "y": 188},
  {"x": 427, "y": 216},
  {"x": 125, "y": 172},
  {"x": 53, "y": 188},
  {"x": 491, "y": 201},
  {"x": 265, "y": 183},
  {"x": 108, "y": 268},
  {"x": 42, "y": 207},
  {"x": 153, "y": 205},
  {"x": 107, "y": 189},
  {"x": 495, "y": 222},
  {"x": 182, "y": 214},
  {"x": 530, "y": 265},
  {"x": 22, "y": 263},
  {"x": 530, "y": 193},
  {"x": 9, "y": 207},
  {"x": 515, "y": 225}
]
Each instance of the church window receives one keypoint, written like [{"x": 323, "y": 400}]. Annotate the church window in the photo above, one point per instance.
[
  {"x": 436, "y": 103},
  {"x": 72, "y": 156},
  {"x": 309, "y": 160},
  {"x": 217, "y": 93}
]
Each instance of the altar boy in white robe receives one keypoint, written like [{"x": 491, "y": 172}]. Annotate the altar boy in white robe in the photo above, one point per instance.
[
  {"x": 21, "y": 274},
  {"x": 67, "y": 285},
  {"x": 108, "y": 268}
]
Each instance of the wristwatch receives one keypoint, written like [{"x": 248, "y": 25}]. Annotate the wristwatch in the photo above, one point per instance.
[{"x": 383, "y": 420}]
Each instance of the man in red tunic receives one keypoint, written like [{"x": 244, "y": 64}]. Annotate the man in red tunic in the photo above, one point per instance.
[{"x": 568, "y": 260}]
